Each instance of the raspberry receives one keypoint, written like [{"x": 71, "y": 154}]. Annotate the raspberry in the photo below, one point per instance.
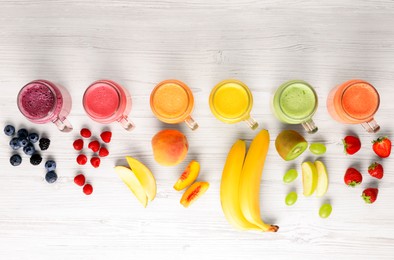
[
  {"x": 94, "y": 146},
  {"x": 95, "y": 161},
  {"x": 35, "y": 159},
  {"x": 79, "y": 179},
  {"x": 103, "y": 152},
  {"x": 44, "y": 144},
  {"x": 82, "y": 159},
  {"x": 78, "y": 144},
  {"x": 86, "y": 133},
  {"x": 106, "y": 136},
  {"x": 87, "y": 189}
]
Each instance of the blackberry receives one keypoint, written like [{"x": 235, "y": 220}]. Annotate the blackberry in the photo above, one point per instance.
[
  {"x": 15, "y": 144},
  {"x": 33, "y": 137},
  {"x": 16, "y": 160},
  {"x": 29, "y": 149},
  {"x": 50, "y": 165},
  {"x": 35, "y": 159},
  {"x": 9, "y": 130},
  {"x": 51, "y": 177},
  {"x": 23, "y": 133},
  {"x": 44, "y": 143},
  {"x": 23, "y": 141}
]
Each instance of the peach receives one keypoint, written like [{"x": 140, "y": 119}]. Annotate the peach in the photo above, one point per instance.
[{"x": 170, "y": 147}]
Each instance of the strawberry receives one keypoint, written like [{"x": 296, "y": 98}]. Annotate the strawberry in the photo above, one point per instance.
[
  {"x": 86, "y": 133},
  {"x": 78, "y": 144},
  {"x": 82, "y": 159},
  {"x": 376, "y": 170},
  {"x": 95, "y": 161},
  {"x": 382, "y": 147},
  {"x": 352, "y": 177},
  {"x": 106, "y": 136},
  {"x": 351, "y": 144},
  {"x": 79, "y": 180},
  {"x": 370, "y": 195},
  {"x": 87, "y": 189},
  {"x": 94, "y": 146},
  {"x": 103, "y": 152}
]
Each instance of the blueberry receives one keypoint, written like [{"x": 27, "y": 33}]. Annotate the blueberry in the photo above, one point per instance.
[
  {"x": 50, "y": 165},
  {"x": 33, "y": 137},
  {"x": 9, "y": 130},
  {"x": 16, "y": 160},
  {"x": 29, "y": 149},
  {"x": 23, "y": 133},
  {"x": 14, "y": 143},
  {"x": 23, "y": 141},
  {"x": 51, "y": 177}
]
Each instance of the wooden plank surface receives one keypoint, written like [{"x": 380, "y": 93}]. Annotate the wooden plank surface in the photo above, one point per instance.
[{"x": 140, "y": 43}]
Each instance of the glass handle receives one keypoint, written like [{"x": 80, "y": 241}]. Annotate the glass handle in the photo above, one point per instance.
[
  {"x": 191, "y": 123},
  {"x": 63, "y": 125},
  {"x": 251, "y": 123},
  {"x": 371, "y": 126},
  {"x": 310, "y": 126},
  {"x": 125, "y": 123}
]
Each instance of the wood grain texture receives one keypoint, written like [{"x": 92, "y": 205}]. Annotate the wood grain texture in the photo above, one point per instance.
[{"x": 140, "y": 43}]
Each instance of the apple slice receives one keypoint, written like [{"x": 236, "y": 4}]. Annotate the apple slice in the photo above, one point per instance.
[
  {"x": 129, "y": 178},
  {"x": 188, "y": 176},
  {"x": 322, "y": 179},
  {"x": 309, "y": 178},
  {"x": 144, "y": 175}
]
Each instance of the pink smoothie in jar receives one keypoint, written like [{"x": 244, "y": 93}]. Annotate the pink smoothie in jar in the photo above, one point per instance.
[{"x": 105, "y": 102}]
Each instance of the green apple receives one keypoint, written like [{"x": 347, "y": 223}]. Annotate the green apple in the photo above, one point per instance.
[
  {"x": 322, "y": 178},
  {"x": 131, "y": 181},
  {"x": 309, "y": 178}
]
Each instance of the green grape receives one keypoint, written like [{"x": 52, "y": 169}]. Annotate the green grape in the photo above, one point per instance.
[
  {"x": 291, "y": 198},
  {"x": 325, "y": 211},
  {"x": 317, "y": 148},
  {"x": 290, "y": 176}
]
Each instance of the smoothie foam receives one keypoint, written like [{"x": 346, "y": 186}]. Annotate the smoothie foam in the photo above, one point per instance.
[
  {"x": 297, "y": 101},
  {"x": 37, "y": 101}
]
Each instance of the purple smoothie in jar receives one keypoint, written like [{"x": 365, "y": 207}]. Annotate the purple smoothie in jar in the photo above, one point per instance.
[
  {"x": 41, "y": 102},
  {"x": 38, "y": 101}
]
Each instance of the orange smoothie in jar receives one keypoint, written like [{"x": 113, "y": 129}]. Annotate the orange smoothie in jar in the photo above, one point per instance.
[
  {"x": 353, "y": 102},
  {"x": 172, "y": 102},
  {"x": 360, "y": 101}
]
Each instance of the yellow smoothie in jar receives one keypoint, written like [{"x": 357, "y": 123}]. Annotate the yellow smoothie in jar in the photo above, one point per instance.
[{"x": 231, "y": 101}]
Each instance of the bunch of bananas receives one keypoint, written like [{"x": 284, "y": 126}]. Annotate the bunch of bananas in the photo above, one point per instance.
[{"x": 240, "y": 185}]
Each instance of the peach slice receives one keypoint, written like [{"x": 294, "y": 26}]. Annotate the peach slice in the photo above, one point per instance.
[
  {"x": 193, "y": 193},
  {"x": 188, "y": 176}
]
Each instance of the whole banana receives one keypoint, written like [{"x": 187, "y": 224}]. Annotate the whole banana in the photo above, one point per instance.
[
  {"x": 229, "y": 187},
  {"x": 250, "y": 181}
]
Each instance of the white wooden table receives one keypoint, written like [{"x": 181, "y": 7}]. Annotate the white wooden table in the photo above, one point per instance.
[{"x": 138, "y": 44}]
